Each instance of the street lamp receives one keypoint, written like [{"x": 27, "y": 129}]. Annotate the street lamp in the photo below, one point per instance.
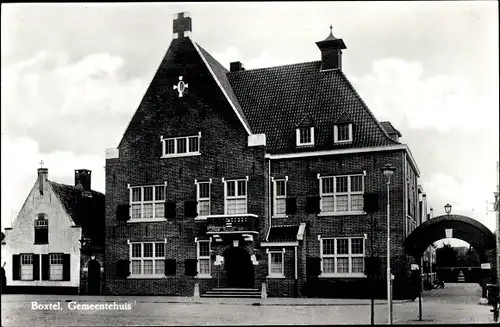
[
  {"x": 388, "y": 170},
  {"x": 447, "y": 208}
]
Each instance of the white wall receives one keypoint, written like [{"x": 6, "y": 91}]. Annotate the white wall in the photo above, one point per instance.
[{"x": 63, "y": 238}]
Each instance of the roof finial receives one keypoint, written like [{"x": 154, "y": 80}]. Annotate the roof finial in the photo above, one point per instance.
[{"x": 331, "y": 27}]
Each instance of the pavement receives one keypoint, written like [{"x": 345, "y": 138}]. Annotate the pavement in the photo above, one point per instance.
[{"x": 456, "y": 303}]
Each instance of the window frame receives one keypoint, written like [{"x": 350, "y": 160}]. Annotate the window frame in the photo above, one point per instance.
[
  {"x": 227, "y": 197},
  {"x": 204, "y": 257},
  {"x": 60, "y": 257},
  {"x": 36, "y": 226},
  {"x": 336, "y": 133},
  {"x": 298, "y": 135},
  {"x": 141, "y": 202},
  {"x": 29, "y": 266},
  {"x": 199, "y": 199},
  {"x": 336, "y": 194},
  {"x": 142, "y": 258},
  {"x": 176, "y": 153},
  {"x": 335, "y": 256},
  {"x": 271, "y": 274},
  {"x": 279, "y": 197}
]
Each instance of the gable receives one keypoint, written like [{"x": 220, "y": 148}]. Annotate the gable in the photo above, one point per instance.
[
  {"x": 275, "y": 99},
  {"x": 162, "y": 112}
]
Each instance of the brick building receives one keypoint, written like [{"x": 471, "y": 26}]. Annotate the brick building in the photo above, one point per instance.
[
  {"x": 253, "y": 178},
  {"x": 56, "y": 243}
]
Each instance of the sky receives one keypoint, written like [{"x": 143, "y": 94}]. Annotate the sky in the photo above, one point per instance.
[{"x": 72, "y": 76}]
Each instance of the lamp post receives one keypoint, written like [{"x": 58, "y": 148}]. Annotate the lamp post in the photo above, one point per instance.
[
  {"x": 447, "y": 208},
  {"x": 388, "y": 170}
]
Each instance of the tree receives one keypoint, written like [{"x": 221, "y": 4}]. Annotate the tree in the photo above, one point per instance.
[{"x": 446, "y": 256}]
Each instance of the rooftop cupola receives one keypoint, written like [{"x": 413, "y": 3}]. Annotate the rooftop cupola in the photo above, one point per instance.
[{"x": 331, "y": 52}]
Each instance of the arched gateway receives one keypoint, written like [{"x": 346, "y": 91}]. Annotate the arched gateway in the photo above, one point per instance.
[{"x": 454, "y": 226}]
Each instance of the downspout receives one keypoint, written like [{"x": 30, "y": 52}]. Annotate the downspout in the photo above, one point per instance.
[
  {"x": 296, "y": 275},
  {"x": 269, "y": 198}
]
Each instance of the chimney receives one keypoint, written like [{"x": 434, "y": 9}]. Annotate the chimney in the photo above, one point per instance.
[
  {"x": 43, "y": 174},
  {"x": 82, "y": 177},
  {"x": 331, "y": 52},
  {"x": 236, "y": 66},
  {"x": 182, "y": 25}
]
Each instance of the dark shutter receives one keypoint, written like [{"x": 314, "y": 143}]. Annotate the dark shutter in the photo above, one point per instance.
[
  {"x": 16, "y": 267},
  {"x": 66, "y": 266},
  {"x": 190, "y": 266},
  {"x": 372, "y": 265},
  {"x": 36, "y": 267},
  {"x": 122, "y": 212},
  {"x": 122, "y": 268},
  {"x": 313, "y": 204},
  {"x": 313, "y": 266},
  {"x": 170, "y": 267},
  {"x": 44, "y": 235},
  {"x": 45, "y": 267},
  {"x": 190, "y": 209},
  {"x": 170, "y": 210},
  {"x": 370, "y": 202},
  {"x": 291, "y": 206}
]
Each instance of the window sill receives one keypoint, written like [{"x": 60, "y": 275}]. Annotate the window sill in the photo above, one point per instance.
[
  {"x": 146, "y": 277},
  {"x": 304, "y": 145},
  {"x": 200, "y": 218},
  {"x": 347, "y": 275},
  {"x": 41, "y": 243},
  {"x": 275, "y": 276},
  {"x": 146, "y": 220},
  {"x": 203, "y": 277},
  {"x": 343, "y": 142},
  {"x": 280, "y": 216},
  {"x": 341, "y": 213},
  {"x": 180, "y": 155}
]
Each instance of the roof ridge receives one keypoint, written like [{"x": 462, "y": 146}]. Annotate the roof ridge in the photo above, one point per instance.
[
  {"x": 72, "y": 186},
  {"x": 276, "y": 66},
  {"x": 366, "y": 107}
]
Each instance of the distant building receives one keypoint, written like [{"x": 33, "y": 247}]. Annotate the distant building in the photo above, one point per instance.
[
  {"x": 242, "y": 178},
  {"x": 56, "y": 243},
  {"x": 429, "y": 256}
]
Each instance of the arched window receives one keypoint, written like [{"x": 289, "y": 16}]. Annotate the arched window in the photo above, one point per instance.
[{"x": 41, "y": 229}]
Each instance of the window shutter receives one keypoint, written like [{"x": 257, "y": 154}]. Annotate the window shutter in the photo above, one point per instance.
[
  {"x": 190, "y": 209},
  {"x": 370, "y": 204},
  {"x": 45, "y": 267},
  {"x": 66, "y": 266},
  {"x": 170, "y": 210},
  {"x": 122, "y": 212},
  {"x": 36, "y": 266},
  {"x": 291, "y": 206},
  {"x": 313, "y": 205},
  {"x": 16, "y": 267},
  {"x": 122, "y": 268},
  {"x": 170, "y": 267},
  {"x": 190, "y": 266},
  {"x": 313, "y": 266},
  {"x": 372, "y": 266}
]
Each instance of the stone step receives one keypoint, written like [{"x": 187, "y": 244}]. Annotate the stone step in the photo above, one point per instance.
[
  {"x": 229, "y": 289},
  {"x": 234, "y": 293},
  {"x": 254, "y": 296}
]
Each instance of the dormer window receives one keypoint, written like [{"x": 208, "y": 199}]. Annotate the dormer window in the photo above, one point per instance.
[
  {"x": 342, "y": 133},
  {"x": 305, "y": 136}
]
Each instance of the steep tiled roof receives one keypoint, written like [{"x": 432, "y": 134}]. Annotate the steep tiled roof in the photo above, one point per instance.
[
  {"x": 275, "y": 99},
  {"x": 86, "y": 208},
  {"x": 221, "y": 74},
  {"x": 286, "y": 233},
  {"x": 389, "y": 128}
]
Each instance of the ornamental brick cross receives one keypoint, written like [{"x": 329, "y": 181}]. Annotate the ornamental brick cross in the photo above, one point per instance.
[
  {"x": 181, "y": 87},
  {"x": 182, "y": 24}
]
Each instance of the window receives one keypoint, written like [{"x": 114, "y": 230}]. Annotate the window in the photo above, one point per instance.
[
  {"x": 342, "y": 133},
  {"x": 341, "y": 193},
  {"x": 305, "y": 136},
  {"x": 41, "y": 229},
  {"x": 203, "y": 255},
  {"x": 147, "y": 259},
  {"x": 203, "y": 197},
  {"x": 279, "y": 197},
  {"x": 56, "y": 266},
  {"x": 147, "y": 202},
  {"x": 26, "y": 267},
  {"x": 276, "y": 263},
  {"x": 236, "y": 197},
  {"x": 181, "y": 146},
  {"x": 342, "y": 256}
]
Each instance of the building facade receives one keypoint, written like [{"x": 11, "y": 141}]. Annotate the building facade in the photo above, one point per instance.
[
  {"x": 56, "y": 243},
  {"x": 429, "y": 257},
  {"x": 254, "y": 179}
]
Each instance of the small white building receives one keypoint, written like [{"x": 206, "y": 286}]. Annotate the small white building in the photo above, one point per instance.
[{"x": 59, "y": 229}]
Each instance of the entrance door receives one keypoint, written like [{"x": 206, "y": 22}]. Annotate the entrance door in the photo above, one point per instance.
[
  {"x": 94, "y": 278},
  {"x": 239, "y": 268}
]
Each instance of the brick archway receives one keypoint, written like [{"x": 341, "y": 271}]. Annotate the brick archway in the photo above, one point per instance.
[{"x": 463, "y": 228}]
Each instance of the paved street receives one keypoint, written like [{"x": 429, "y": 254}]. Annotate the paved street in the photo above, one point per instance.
[{"x": 457, "y": 303}]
